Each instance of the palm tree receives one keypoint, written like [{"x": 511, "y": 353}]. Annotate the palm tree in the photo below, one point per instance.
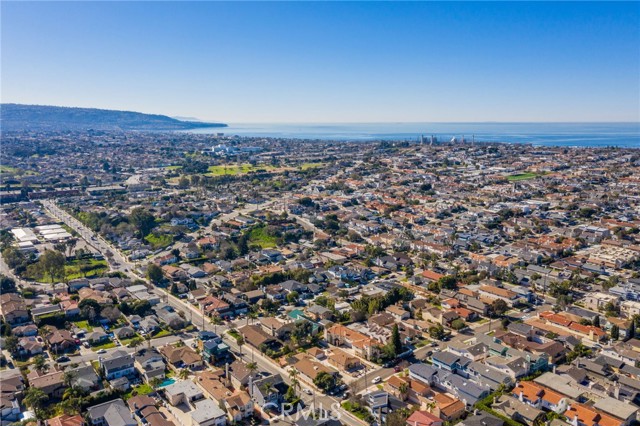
[
  {"x": 403, "y": 388},
  {"x": 295, "y": 383},
  {"x": 216, "y": 321},
  {"x": 135, "y": 342},
  {"x": 155, "y": 382},
  {"x": 40, "y": 363},
  {"x": 35, "y": 398},
  {"x": 184, "y": 374},
  {"x": 253, "y": 317},
  {"x": 252, "y": 367},
  {"x": 68, "y": 377}
]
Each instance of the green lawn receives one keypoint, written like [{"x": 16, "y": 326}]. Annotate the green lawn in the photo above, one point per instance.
[
  {"x": 143, "y": 389},
  {"x": 8, "y": 169},
  {"x": 162, "y": 333},
  {"x": 259, "y": 236},
  {"x": 83, "y": 324},
  {"x": 307, "y": 166},
  {"x": 159, "y": 240},
  {"x": 106, "y": 345},
  {"x": 85, "y": 267},
  {"x": 522, "y": 176},
  {"x": 73, "y": 269},
  {"x": 237, "y": 169},
  {"x": 125, "y": 342}
]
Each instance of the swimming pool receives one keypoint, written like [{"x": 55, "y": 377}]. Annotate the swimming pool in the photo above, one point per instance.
[{"x": 167, "y": 382}]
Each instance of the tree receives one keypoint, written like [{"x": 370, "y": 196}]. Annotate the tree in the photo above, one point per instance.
[
  {"x": 448, "y": 282},
  {"x": 458, "y": 324},
  {"x": 89, "y": 308},
  {"x": 436, "y": 332},
  {"x": 293, "y": 297},
  {"x": 324, "y": 381},
  {"x": 142, "y": 220},
  {"x": 13, "y": 257},
  {"x": 11, "y": 344},
  {"x": 252, "y": 367},
  {"x": 596, "y": 321},
  {"x": 68, "y": 377},
  {"x": 396, "y": 343},
  {"x": 69, "y": 245},
  {"x": 295, "y": 383},
  {"x": 40, "y": 364},
  {"x": 578, "y": 351},
  {"x": 35, "y": 398},
  {"x": 52, "y": 263},
  {"x": 403, "y": 388},
  {"x": 184, "y": 374},
  {"x": 154, "y": 273},
  {"x": 615, "y": 332},
  {"x": 301, "y": 332},
  {"x": 7, "y": 284},
  {"x": 499, "y": 307},
  {"x": 135, "y": 342}
]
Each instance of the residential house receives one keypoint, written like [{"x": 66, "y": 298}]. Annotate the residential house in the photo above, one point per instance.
[
  {"x": 423, "y": 418},
  {"x": 181, "y": 357},
  {"x": 239, "y": 406},
  {"x": 339, "y": 335},
  {"x": 518, "y": 411},
  {"x": 52, "y": 383},
  {"x": 117, "y": 364},
  {"x": 111, "y": 413},
  {"x": 207, "y": 413},
  {"x": 13, "y": 308},
  {"x": 343, "y": 361},
  {"x": 150, "y": 364},
  {"x": 183, "y": 392}
]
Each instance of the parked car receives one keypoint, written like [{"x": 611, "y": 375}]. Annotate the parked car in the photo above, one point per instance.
[
  {"x": 63, "y": 359},
  {"x": 102, "y": 351}
]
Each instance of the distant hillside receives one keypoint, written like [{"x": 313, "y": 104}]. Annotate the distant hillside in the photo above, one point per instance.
[{"x": 38, "y": 117}]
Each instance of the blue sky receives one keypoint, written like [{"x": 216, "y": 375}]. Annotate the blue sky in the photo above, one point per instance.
[{"x": 328, "y": 62}]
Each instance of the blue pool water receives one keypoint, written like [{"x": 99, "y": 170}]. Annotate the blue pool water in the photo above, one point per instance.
[{"x": 167, "y": 382}]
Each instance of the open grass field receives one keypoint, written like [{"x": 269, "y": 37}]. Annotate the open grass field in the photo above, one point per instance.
[
  {"x": 260, "y": 237},
  {"x": 159, "y": 240},
  {"x": 237, "y": 169},
  {"x": 84, "y": 268},
  {"x": 307, "y": 166},
  {"x": 522, "y": 176},
  {"x": 8, "y": 169}
]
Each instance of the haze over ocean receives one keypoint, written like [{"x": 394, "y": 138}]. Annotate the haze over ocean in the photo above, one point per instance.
[{"x": 544, "y": 134}]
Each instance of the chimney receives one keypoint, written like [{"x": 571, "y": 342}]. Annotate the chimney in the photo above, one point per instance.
[
  {"x": 554, "y": 369},
  {"x": 226, "y": 372},
  {"x": 521, "y": 396}
]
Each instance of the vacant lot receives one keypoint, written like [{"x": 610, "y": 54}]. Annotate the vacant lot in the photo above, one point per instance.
[
  {"x": 522, "y": 176},
  {"x": 237, "y": 169}
]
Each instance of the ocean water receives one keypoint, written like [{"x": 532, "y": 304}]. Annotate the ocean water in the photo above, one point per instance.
[{"x": 543, "y": 134}]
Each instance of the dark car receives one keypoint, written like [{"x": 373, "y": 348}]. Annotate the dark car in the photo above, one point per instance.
[{"x": 63, "y": 359}]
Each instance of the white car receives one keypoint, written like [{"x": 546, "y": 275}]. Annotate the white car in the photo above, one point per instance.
[
  {"x": 102, "y": 351},
  {"x": 376, "y": 380}
]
